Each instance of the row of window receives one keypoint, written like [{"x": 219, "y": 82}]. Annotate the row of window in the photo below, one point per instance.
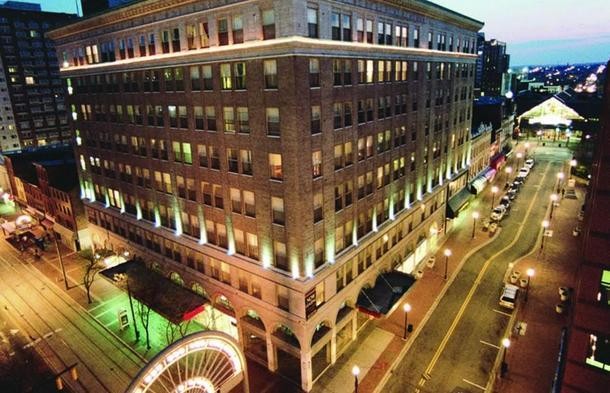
[{"x": 232, "y": 76}]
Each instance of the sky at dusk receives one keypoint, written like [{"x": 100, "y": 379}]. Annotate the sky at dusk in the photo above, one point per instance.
[{"x": 535, "y": 31}]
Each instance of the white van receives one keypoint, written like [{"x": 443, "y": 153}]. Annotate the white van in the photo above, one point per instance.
[{"x": 508, "y": 298}]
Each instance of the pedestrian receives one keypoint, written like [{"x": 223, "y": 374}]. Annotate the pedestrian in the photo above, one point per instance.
[{"x": 563, "y": 191}]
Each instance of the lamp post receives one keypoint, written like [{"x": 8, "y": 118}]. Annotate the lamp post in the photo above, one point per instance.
[
  {"x": 554, "y": 198},
  {"x": 447, "y": 255},
  {"x": 505, "y": 345},
  {"x": 61, "y": 261},
  {"x": 519, "y": 155},
  {"x": 560, "y": 177},
  {"x": 494, "y": 190},
  {"x": 573, "y": 163},
  {"x": 545, "y": 225},
  {"x": 475, "y": 217},
  {"x": 406, "y": 308},
  {"x": 355, "y": 373},
  {"x": 508, "y": 171},
  {"x": 530, "y": 274},
  {"x": 527, "y": 146}
]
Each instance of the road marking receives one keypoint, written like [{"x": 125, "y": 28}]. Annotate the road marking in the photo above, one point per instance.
[
  {"x": 490, "y": 344},
  {"x": 474, "y": 384},
  {"x": 477, "y": 281},
  {"x": 502, "y": 312}
]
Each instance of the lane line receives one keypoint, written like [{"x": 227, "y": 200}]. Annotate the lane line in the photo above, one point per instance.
[
  {"x": 474, "y": 384},
  {"x": 490, "y": 344},
  {"x": 477, "y": 281},
  {"x": 502, "y": 312}
]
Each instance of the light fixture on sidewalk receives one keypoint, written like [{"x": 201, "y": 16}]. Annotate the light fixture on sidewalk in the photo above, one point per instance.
[
  {"x": 560, "y": 177},
  {"x": 355, "y": 373},
  {"x": 530, "y": 275},
  {"x": 447, "y": 255},
  {"x": 406, "y": 308},
  {"x": 494, "y": 191},
  {"x": 475, "y": 217},
  {"x": 554, "y": 198},
  {"x": 545, "y": 225},
  {"x": 508, "y": 171},
  {"x": 505, "y": 345}
]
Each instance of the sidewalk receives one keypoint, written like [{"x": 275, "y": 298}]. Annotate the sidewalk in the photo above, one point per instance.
[{"x": 532, "y": 357}]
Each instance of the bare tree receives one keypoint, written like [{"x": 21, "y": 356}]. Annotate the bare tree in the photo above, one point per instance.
[{"x": 92, "y": 267}]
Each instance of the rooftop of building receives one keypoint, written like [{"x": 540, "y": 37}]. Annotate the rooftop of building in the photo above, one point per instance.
[
  {"x": 12, "y": 8},
  {"x": 58, "y": 160}
]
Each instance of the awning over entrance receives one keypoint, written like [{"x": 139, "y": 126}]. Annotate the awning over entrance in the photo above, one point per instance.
[
  {"x": 171, "y": 301},
  {"x": 380, "y": 299},
  {"x": 458, "y": 202},
  {"x": 497, "y": 161},
  {"x": 477, "y": 185}
]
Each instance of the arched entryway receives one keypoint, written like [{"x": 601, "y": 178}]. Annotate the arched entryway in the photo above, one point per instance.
[{"x": 288, "y": 352}]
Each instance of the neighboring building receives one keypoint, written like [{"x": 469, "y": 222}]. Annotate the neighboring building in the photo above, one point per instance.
[
  {"x": 45, "y": 182},
  {"x": 92, "y": 7},
  {"x": 587, "y": 363},
  {"x": 283, "y": 158},
  {"x": 493, "y": 63},
  {"x": 33, "y": 110}
]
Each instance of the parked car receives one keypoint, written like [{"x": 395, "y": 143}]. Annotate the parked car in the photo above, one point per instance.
[
  {"x": 517, "y": 183},
  {"x": 523, "y": 172},
  {"x": 529, "y": 163},
  {"x": 508, "y": 297},
  {"x": 512, "y": 193},
  {"x": 505, "y": 201},
  {"x": 498, "y": 213}
]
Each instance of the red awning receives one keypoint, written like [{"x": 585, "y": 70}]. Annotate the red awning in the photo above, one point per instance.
[{"x": 497, "y": 161}]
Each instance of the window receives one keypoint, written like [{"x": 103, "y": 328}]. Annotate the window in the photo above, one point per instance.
[
  {"x": 270, "y": 70},
  {"x": 341, "y": 27},
  {"x": 347, "y": 27},
  {"x": 236, "y": 200},
  {"x": 416, "y": 37},
  {"x": 273, "y": 121},
  {"x": 317, "y": 207},
  {"x": 249, "y": 205},
  {"x": 243, "y": 121},
  {"x": 207, "y": 77},
  {"x": 238, "y": 29},
  {"x": 603, "y": 295},
  {"x": 275, "y": 166},
  {"x": 195, "y": 78},
  {"x": 246, "y": 161},
  {"x": 223, "y": 31},
  {"x": 312, "y": 23},
  {"x": 281, "y": 261},
  {"x": 268, "y": 24},
  {"x": 229, "y": 120},
  {"x": 315, "y": 119},
  {"x": 336, "y": 26},
  {"x": 369, "y": 31},
  {"x": 239, "y": 70},
  {"x": 277, "y": 209},
  {"x": 316, "y": 160},
  {"x": 360, "y": 30},
  {"x": 314, "y": 73},
  {"x": 226, "y": 82}
]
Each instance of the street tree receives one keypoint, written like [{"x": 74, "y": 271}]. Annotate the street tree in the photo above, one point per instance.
[{"x": 92, "y": 267}]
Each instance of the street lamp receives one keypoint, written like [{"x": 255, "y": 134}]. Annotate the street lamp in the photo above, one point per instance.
[
  {"x": 530, "y": 274},
  {"x": 554, "y": 198},
  {"x": 519, "y": 155},
  {"x": 508, "y": 170},
  {"x": 406, "y": 308},
  {"x": 527, "y": 146},
  {"x": 560, "y": 177},
  {"x": 572, "y": 166},
  {"x": 494, "y": 190},
  {"x": 355, "y": 373},
  {"x": 545, "y": 225},
  {"x": 505, "y": 345},
  {"x": 475, "y": 217},
  {"x": 447, "y": 255}
]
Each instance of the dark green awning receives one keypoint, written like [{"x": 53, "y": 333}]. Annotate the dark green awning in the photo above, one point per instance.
[{"x": 458, "y": 202}]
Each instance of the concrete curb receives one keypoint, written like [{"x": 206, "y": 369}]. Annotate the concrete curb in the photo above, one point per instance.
[{"x": 429, "y": 313}]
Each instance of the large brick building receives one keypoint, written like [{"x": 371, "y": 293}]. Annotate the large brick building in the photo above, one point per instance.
[
  {"x": 287, "y": 159},
  {"x": 587, "y": 363}
]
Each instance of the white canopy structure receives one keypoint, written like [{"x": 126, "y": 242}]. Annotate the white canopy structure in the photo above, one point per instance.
[{"x": 551, "y": 112}]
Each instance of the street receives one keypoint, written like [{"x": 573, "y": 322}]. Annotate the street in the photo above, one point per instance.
[
  {"x": 43, "y": 318},
  {"x": 457, "y": 348}
]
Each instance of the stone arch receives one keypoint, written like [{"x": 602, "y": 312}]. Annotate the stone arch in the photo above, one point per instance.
[
  {"x": 176, "y": 278},
  {"x": 286, "y": 334},
  {"x": 320, "y": 330},
  {"x": 221, "y": 300},
  {"x": 199, "y": 289},
  {"x": 252, "y": 315}
]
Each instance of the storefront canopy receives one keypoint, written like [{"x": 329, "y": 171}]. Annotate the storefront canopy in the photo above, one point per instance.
[
  {"x": 173, "y": 302},
  {"x": 380, "y": 299},
  {"x": 551, "y": 112},
  {"x": 458, "y": 202}
]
